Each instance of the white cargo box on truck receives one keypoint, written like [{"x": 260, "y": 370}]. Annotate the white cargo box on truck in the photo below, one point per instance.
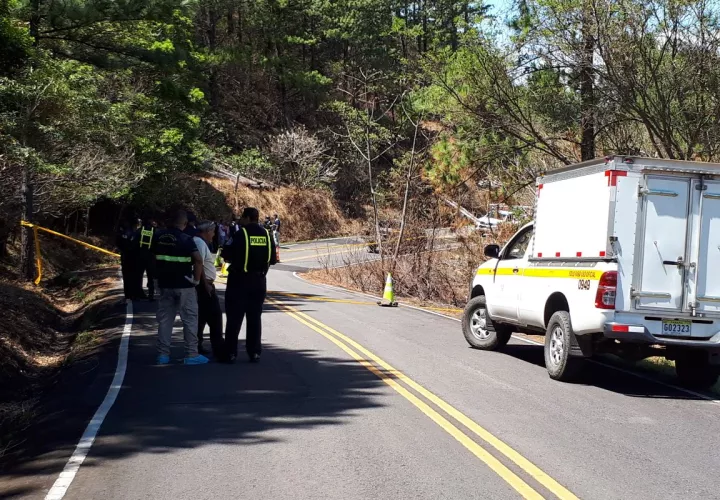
[
  {"x": 658, "y": 219},
  {"x": 628, "y": 248}
]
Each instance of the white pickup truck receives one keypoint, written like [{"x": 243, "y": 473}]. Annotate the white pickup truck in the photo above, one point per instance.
[{"x": 623, "y": 257}]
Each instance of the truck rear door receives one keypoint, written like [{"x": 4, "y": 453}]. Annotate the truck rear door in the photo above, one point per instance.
[
  {"x": 660, "y": 282},
  {"x": 706, "y": 285}
]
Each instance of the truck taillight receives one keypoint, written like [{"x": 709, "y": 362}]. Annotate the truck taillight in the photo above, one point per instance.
[{"x": 605, "y": 297}]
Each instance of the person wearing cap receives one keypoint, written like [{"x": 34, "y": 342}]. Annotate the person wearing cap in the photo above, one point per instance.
[
  {"x": 179, "y": 268},
  {"x": 251, "y": 254},
  {"x": 209, "y": 311}
]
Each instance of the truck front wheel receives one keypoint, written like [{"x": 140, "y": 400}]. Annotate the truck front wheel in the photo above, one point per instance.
[
  {"x": 693, "y": 368},
  {"x": 558, "y": 339},
  {"x": 479, "y": 330}
]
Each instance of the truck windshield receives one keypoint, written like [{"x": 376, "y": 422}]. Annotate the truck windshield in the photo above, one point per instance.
[{"x": 516, "y": 249}]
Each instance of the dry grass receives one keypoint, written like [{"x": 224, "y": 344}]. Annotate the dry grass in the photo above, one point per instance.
[
  {"x": 36, "y": 327},
  {"x": 427, "y": 272},
  {"x": 305, "y": 214}
]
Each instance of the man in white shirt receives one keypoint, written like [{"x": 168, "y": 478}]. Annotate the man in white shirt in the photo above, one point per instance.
[{"x": 208, "y": 303}]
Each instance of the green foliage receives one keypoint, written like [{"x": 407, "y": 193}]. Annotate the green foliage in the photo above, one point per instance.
[
  {"x": 252, "y": 162},
  {"x": 107, "y": 99}
]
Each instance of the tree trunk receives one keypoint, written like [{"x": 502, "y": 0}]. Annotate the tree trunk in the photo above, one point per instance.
[
  {"x": 118, "y": 220},
  {"x": 35, "y": 21},
  {"x": 27, "y": 249},
  {"x": 87, "y": 221},
  {"x": 408, "y": 178},
  {"x": 587, "y": 92},
  {"x": 4, "y": 234}
]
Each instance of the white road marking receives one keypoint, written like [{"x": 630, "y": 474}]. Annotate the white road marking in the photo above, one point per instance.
[
  {"x": 62, "y": 483},
  {"x": 713, "y": 400}
]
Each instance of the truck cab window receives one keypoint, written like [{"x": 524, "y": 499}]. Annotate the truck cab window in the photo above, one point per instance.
[{"x": 516, "y": 249}]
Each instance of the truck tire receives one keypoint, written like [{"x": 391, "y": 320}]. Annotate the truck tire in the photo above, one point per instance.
[
  {"x": 694, "y": 370},
  {"x": 558, "y": 339},
  {"x": 479, "y": 330}
]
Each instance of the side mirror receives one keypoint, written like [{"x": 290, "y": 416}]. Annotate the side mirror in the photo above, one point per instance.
[{"x": 492, "y": 251}]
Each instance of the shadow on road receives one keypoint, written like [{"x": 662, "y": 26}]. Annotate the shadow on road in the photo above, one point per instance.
[
  {"x": 163, "y": 409},
  {"x": 605, "y": 377}
]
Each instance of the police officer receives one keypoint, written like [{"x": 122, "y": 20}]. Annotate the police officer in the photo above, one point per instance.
[
  {"x": 142, "y": 241},
  {"x": 251, "y": 254},
  {"x": 128, "y": 258}
]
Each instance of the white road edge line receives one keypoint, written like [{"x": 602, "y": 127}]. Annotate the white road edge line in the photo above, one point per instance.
[
  {"x": 62, "y": 483},
  {"x": 522, "y": 339}
]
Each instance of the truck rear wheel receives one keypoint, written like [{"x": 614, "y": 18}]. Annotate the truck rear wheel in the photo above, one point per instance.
[
  {"x": 558, "y": 339},
  {"x": 479, "y": 330},
  {"x": 693, "y": 368}
]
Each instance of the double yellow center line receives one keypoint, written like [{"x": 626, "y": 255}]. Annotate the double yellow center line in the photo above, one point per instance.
[{"x": 393, "y": 378}]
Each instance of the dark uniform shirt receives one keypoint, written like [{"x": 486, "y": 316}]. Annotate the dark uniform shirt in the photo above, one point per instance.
[
  {"x": 124, "y": 240},
  {"x": 173, "y": 251},
  {"x": 261, "y": 253}
]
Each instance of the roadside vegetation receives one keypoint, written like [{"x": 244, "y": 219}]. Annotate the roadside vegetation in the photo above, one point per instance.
[
  {"x": 369, "y": 117},
  {"x": 387, "y": 109}
]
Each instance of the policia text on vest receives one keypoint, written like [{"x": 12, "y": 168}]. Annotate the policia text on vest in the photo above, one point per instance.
[{"x": 251, "y": 254}]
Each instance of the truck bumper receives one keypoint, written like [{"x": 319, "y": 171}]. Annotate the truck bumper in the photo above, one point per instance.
[{"x": 641, "y": 335}]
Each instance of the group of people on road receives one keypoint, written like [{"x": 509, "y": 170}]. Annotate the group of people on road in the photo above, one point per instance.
[{"x": 180, "y": 261}]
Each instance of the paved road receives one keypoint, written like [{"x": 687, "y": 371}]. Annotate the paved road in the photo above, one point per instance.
[{"x": 354, "y": 401}]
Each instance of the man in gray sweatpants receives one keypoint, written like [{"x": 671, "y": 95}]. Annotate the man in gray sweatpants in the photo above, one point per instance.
[{"x": 179, "y": 268}]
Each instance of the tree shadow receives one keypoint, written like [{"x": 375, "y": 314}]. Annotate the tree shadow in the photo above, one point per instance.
[
  {"x": 162, "y": 409},
  {"x": 597, "y": 373}
]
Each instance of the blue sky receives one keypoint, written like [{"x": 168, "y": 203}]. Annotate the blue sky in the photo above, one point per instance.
[{"x": 500, "y": 7}]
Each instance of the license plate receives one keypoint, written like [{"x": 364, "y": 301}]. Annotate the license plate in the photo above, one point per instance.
[{"x": 676, "y": 327}]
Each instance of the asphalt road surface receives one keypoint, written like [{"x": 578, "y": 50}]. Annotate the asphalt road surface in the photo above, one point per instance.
[{"x": 355, "y": 401}]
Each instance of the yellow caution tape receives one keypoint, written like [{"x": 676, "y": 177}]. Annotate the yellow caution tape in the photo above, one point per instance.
[{"x": 38, "y": 258}]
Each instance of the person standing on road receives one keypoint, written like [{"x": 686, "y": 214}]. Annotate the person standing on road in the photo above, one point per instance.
[
  {"x": 179, "y": 268},
  {"x": 251, "y": 253},
  {"x": 222, "y": 235},
  {"x": 128, "y": 258},
  {"x": 142, "y": 241},
  {"x": 277, "y": 223},
  {"x": 210, "y": 312},
  {"x": 232, "y": 229}
]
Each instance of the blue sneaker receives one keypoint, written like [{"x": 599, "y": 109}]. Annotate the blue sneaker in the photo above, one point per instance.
[
  {"x": 196, "y": 360},
  {"x": 163, "y": 359}
]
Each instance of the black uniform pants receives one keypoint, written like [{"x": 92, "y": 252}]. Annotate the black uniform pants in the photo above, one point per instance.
[
  {"x": 128, "y": 269},
  {"x": 244, "y": 296},
  {"x": 210, "y": 313},
  {"x": 146, "y": 264}
]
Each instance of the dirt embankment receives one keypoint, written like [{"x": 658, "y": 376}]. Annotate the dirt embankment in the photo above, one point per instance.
[
  {"x": 47, "y": 328},
  {"x": 305, "y": 213}
]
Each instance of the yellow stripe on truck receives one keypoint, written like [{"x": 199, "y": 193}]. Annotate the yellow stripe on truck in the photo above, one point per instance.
[{"x": 542, "y": 272}]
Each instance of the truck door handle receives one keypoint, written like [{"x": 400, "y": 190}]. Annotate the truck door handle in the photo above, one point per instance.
[
  {"x": 679, "y": 262},
  {"x": 516, "y": 270}
]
